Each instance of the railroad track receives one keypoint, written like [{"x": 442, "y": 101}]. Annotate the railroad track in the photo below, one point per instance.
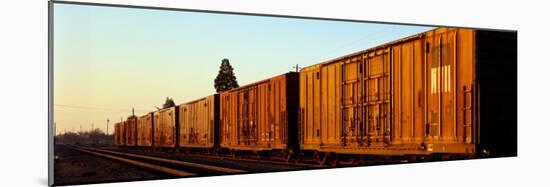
[
  {"x": 259, "y": 160},
  {"x": 293, "y": 165},
  {"x": 168, "y": 166},
  {"x": 245, "y": 159}
]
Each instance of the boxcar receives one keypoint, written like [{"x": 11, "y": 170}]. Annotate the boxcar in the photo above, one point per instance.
[
  {"x": 260, "y": 116},
  {"x": 416, "y": 95},
  {"x": 119, "y": 138},
  {"x": 145, "y": 130},
  {"x": 165, "y": 127},
  {"x": 130, "y": 131},
  {"x": 198, "y": 123}
]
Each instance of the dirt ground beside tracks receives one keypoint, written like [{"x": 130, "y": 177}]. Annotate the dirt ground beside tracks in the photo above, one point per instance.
[{"x": 75, "y": 167}]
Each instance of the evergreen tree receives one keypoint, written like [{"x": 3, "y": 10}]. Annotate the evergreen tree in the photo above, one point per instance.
[
  {"x": 226, "y": 79},
  {"x": 168, "y": 103}
]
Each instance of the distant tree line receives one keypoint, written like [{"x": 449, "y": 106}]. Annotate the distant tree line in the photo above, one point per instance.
[{"x": 92, "y": 137}]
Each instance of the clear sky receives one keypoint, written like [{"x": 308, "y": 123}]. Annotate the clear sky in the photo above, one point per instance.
[{"x": 108, "y": 60}]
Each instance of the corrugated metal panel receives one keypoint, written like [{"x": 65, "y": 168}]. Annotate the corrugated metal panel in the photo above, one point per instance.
[
  {"x": 198, "y": 122},
  {"x": 145, "y": 130},
  {"x": 375, "y": 101},
  {"x": 449, "y": 92},
  {"x": 256, "y": 116},
  {"x": 130, "y": 126},
  {"x": 164, "y": 130},
  {"x": 119, "y": 138}
]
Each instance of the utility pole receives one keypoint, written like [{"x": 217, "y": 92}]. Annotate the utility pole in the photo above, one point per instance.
[
  {"x": 107, "y": 131},
  {"x": 92, "y": 126},
  {"x": 297, "y": 67},
  {"x": 80, "y": 129}
]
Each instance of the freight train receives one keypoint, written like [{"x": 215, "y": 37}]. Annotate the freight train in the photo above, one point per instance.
[{"x": 436, "y": 94}]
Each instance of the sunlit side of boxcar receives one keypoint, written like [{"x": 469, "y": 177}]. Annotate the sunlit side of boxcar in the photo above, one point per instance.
[
  {"x": 198, "y": 121},
  {"x": 119, "y": 134},
  {"x": 410, "y": 96},
  {"x": 130, "y": 128},
  {"x": 145, "y": 130},
  {"x": 261, "y": 115},
  {"x": 164, "y": 129}
]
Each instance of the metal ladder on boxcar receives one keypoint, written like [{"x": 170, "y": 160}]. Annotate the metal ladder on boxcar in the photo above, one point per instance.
[{"x": 467, "y": 110}]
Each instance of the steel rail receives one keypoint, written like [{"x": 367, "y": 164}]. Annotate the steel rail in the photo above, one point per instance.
[
  {"x": 170, "y": 161},
  {"x": 140, "y": 164},
  {"x": 244, "y": 159}
]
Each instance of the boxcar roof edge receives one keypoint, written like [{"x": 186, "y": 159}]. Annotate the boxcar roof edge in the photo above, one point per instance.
[
  {"x": 398, "y": 41},
  {"x": 257, "y": 82}
]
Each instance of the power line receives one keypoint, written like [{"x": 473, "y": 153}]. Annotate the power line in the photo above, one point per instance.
[
  {"x": 353, "y": 43},
  {"x": 96, "y": 108}
]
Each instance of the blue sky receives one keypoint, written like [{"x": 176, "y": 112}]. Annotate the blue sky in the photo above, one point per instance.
[{"x": 108, "y": 59}]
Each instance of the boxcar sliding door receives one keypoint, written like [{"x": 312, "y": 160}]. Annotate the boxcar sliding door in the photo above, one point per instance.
[
  {"x": 376, "y": 105},
  {"x": 441, "y": 60}
]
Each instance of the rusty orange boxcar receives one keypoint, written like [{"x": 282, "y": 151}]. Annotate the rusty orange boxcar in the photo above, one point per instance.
[
  {"x": 118, "y": 135},
  {"x": 164, "y": 128},
  {"x": 411, "y": 96},
  {"x": 130, "y": 128},
  {"x": 260, "y": 116},
  {"x": 145, "y": 130},
  {"x": 198, "y": 122}
]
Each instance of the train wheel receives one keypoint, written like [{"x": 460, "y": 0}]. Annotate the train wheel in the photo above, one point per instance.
[
  {"x": 298, "y": 157},
  {"x": 287, "y": 155},
  {"x": 322, "y": 158},
  {"x": 233, "y": 154},
  {"x": 316, "y": 156},
  {"x": 257, "y": 154},
  {"x": 219, "y": 152},
  {"x": 334, "y": 160}
]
